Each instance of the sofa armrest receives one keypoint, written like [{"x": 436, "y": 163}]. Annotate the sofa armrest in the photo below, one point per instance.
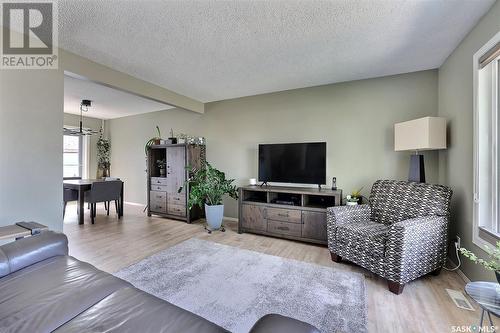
[
  {"x": 339, "y": 215},
  {"x": 275, "y": 323},
  {"x": 28, "y": 251},
  {"x": 416, "y": 247}
]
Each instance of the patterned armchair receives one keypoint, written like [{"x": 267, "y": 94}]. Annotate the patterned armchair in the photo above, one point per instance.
[{"x": 401, "y": 235}]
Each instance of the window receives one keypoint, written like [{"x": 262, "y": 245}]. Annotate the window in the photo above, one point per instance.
[
  {"x": 486, "y": 215},
  {"x": 72, "y": 157}
]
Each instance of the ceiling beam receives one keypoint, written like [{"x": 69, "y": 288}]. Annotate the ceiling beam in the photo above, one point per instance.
[{"x": 83, "y": 68}]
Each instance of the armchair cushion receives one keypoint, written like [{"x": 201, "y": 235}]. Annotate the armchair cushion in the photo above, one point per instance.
[
  {"x": 368, "y": 237},
  {"x": 393, "y": 201}
]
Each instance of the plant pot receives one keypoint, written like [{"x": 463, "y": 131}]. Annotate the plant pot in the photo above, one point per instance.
[
  {"x": 162, "y": 172},
  {"x": 351, "y": 203},
  {"x": 173, "y": 140},
  {"x": 102, "y": 173},
  {"x": 214, "y": 216},
  {"x": 497, "y": 274}
]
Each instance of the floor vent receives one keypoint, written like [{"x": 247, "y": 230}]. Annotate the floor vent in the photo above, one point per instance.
[{"x": 459, "y": 299}]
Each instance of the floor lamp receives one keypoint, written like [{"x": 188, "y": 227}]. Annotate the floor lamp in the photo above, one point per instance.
[{"x": 428, "y": 133}]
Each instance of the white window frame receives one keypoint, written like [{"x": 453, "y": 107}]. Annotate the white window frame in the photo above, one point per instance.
[
  {"x": 479, "y": 232},
  {"x": 84, "y": 156}
]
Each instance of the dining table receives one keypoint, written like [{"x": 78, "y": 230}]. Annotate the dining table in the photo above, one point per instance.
[{"x": 83, "y": 185}]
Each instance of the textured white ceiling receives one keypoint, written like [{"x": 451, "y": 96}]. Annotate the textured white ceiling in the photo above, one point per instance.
[
  {"x": 107, "y": 103},
  {"x": 213, "y": 50}
]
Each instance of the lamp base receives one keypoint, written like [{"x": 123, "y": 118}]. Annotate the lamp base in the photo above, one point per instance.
[{"x": 417, "y": 169}]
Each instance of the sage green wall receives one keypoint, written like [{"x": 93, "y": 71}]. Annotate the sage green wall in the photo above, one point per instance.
[
  {"x": 455, "y": 103},
  {"x": 355, "y": 119},
  {"x": 94, "y": 124},
  {"x": 31, "y": 120},
  {"x": 128, "y": 136}
]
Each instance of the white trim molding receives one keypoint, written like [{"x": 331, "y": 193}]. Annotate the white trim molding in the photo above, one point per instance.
[{"x": 476, "y": 238}]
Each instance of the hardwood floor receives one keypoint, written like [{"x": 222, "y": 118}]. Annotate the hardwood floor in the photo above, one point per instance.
[{"x": 111, "y": 244}]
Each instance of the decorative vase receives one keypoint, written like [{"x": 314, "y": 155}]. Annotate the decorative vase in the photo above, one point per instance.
[
  {"x": 351, "y": 203},
  {"x": 102, "y": 173},
  {"x": 162, "y": 172},
  {"x": 497, "y": 274},
  {"x": 214, "y": 216},
  {"x": 173, "y": 140}
]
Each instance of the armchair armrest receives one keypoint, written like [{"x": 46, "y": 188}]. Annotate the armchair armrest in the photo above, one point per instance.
[
  {"x": 339, "y": 215},
  {"x": 348, "y": 214},
  {"x": 416, "y": 247}
]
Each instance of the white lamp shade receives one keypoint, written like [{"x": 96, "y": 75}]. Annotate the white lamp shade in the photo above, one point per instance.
[{"x": 428, "y": 133}]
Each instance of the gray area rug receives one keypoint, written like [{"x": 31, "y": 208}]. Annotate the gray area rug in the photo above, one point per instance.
[{"x": 233, "y": 287}]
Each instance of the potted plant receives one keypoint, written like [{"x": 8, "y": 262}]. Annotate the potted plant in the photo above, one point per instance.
[
  {"x": 103, "y": 157},
  {"x": 161, "y": 165},
  {"x": 493, "y": 261},
  {"x": 207, "y": 187},
  {"x": 355, "y": 198},
  {"x": 172, "y": 139},
  {"x": 153, "y": 141}
]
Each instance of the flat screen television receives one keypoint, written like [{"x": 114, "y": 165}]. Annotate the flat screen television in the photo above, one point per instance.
[{"x": 301, "y": 163}]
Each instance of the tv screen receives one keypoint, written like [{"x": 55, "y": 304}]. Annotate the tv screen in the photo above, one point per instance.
[{"x": 303, "y": 163}]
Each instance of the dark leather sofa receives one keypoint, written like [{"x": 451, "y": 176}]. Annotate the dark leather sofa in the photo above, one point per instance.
[{"x": 42, "y": 289}]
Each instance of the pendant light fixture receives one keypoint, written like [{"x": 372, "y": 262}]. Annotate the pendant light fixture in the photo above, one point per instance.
[{"x": 81, "y": 131}]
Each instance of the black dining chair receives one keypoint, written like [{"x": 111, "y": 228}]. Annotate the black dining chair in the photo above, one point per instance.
[
  {"x": 105, "y": 191},
  {"x": 68, "y": 195}
]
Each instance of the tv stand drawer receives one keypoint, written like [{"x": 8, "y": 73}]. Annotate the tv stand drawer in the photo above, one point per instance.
[
  {"x": 284, "y": 228},
  {"x": 286, "y": 215}
]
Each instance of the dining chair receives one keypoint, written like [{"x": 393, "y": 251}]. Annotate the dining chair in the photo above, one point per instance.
[
  {"x": 106, "y": 192},
  {"x": 68, "y": 195},
  {"x": 107, "y": 179}
]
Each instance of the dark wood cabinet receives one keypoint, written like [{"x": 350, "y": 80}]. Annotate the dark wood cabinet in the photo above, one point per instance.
[
  {"x": 164, "y": 197},
  {"x": 286, "y": 212},
  {"x": 176, "y": 168},
  {"x": 314, "y": 225},
  {"x": 253, "y": 217}
]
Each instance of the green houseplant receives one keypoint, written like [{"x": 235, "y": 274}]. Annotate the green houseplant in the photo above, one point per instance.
[
  {"x": 492, "y": 263},
  {"x": 208, "y": 186},
  {"x": 103, "y": 157},
  {"x": 354, "y": 198},
  {"x": 162, "y": 164},
  {"x": 153, "y": 141}
]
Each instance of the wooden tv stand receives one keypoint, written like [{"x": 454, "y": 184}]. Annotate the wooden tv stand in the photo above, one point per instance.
[{"x": 266, "y": 210}]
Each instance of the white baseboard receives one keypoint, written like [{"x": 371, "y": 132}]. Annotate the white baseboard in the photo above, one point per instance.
[
  {"x": 463, "y": 276},
  {"x": 232, "y": 219},
  {"x": 134, "y": 203},
  {"x": 459, "y": 271}
]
